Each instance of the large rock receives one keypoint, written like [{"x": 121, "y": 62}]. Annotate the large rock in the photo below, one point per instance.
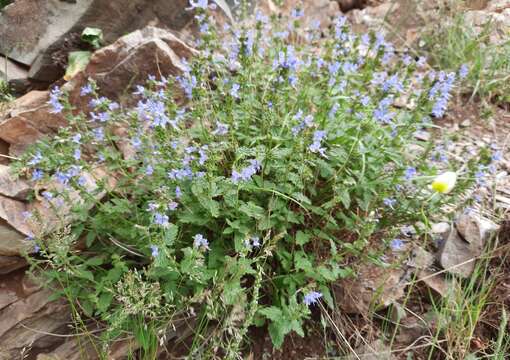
[
  {"x": 10, "y": 71},
  {"x": 26, "y": 322},
  {"x": 8, "y": 264},
  {"x": 53, "y": 23},
  {"x": 29, "y": 119},
  {"x": 11, "y": 186},
  {"x": 128, "y": 62},
  {"x": 465, "y": 243},
  {"x": 374, "y": 287}
]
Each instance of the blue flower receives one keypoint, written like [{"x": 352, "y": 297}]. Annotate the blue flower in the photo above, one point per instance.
[
  {"x": 77, "y": 154},
  {"x": 47, "y": 195},
  {"x": 98, "y": 134},
  {"x": 221, "y": 129},
  {"x": 178, "y": 192},
  {"x": 87, "y": 89},
  {"x": 36, "y": 159},
  {"x": 311, "y": 298},
  {"x": 463, "y": 71},
  {"x": 315, "y": 147},
  {"x": 199, "y": 241},
  {"x": 397, "y": 244},
  {"x": 55, "y": 100},
  {"x": 37, "y": 174},
  {"x": 234, "y": 92},
  {"x": 247, "y": 172},
  {"x": 160, "y": 219},
  {"x": 154, "y": 251},
  {"x": 410, "y": 173},
  {"x": 390, "y": 202},
  {"x": 199, "y": 4}
]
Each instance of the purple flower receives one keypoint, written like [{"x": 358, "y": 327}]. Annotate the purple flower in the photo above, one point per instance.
[
  {"x": 36, "y": 159},
  {"x": 172, "y": 205},
  {"x": 55, "y": 100},
  {"x": 221, "y": 129},
  {"x": 161, "y": 219},
  {"x": 77, "y": 139},
  {"x": 234, "y": 92},
  {"x": 98, "y": 134},
  {"x": 311, "y": 298},
  {"x": 47, "y": 195},
  {"x": 199, "y": 241},
  {"x": 178, "y": 192},
  {"x": 497, "y": 156},
  {"x": 154, "y": 251},
  {"x": 77, "y": 154},
  {"x": 149, "y": 170},
  {"x": 463, "y": 71},
  {"x": 390, "y": 202},
  {"x": 199, "y": 4},
  {"x": 86, "y": 90},
  {"x": 397, "y": 244},
  {"x": 410, "y": 173},
  {"x": 247, "y": 172},
  {"x": 315, "y": 147},
  {"x": 37, "y": 174}
]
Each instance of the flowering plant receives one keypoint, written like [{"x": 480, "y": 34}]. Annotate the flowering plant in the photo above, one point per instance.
[{"x": 241, "y": 204}]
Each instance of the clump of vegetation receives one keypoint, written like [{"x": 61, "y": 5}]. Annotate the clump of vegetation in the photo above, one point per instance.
[
  {"x": 4, "y": 3},
  {"x": 241, "y": 205},
  {"x": 452, "y": 43}
]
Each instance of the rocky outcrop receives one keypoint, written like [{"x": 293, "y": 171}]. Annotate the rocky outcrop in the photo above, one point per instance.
[
  {"x": 28, "y": 318},
  {"x": 54, "y": 24},
  {"x": 118, "y": 68}
]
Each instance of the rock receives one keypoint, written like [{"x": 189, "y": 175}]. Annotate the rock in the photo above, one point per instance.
[
  {"x": 498, "y": 14},
  {"x": 4, "y": 152},
  {"x": 25, "y": 323},
  {"x": 465, "y": 243},
  {"x": 420, "y": 258},
  {"x": 475, "y": 230},
  {"x": 55, "y": 24},
  {"x": 12, "y": 243},
  {"x": 12, "y": 187},
  {"x": 376, "y": 350},
  {"x": 29, "y": 119},
  {"x": 422, "y": 135},
  {"x": 436, "y": 282},
  {"x": 347, "y": 5},
  {"x": 129, "y": 61},
  {"x": 456, "y": 256},
  {"x": 9, "y": 264},
  {"x": 10, "y": 71},
  {"x": 440, "y": 232},
  {"x": 465, "y": 123},
  {"x": 375, "y": 286},
  {"x": 73, "y": 349}
]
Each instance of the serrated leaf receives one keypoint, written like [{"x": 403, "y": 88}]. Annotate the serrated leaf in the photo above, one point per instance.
[
  {"x": 78, "y": 61},
  {"x": 302, "y": 238},
  {"x": 272, "y": 313},
  {"x": 252, "y": 210}
]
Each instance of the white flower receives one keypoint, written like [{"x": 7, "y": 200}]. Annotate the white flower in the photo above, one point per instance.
[{"x": 445, "y": 182}]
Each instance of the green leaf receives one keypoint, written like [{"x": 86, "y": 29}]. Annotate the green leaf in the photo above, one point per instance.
[
  {"x": 171, "y": 234},
  {"x": 93, "y": 36},
  {"x": 78, "y": 61},
  {"x": 252, "y": 210},
  {"x": 84, "y": 274},
  {"x": 272, "y": 313},
  {"x": 302, "y": 238},
  {"x": 104, "y": 301}
]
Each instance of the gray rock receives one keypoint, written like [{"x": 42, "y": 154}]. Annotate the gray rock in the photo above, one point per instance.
[
  {"x": 9, "y": 264},
  {"x": 9, "y": 70},
  {"x": 53, "y": 23},
  {"x": 475, "y": 229},
  {"x": 456, "y": 256},
  {"x": 12, "y": 187},
  {"x": 466, "y": 242}
]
